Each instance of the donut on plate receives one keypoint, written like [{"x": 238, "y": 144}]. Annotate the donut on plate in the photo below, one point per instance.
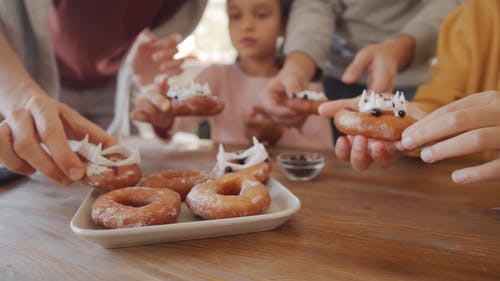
[
  {"x": 194, "y": 100},
  {"x": 253, "y": 161},
  {"x": 306, "y": 102},
  {"x": 230, "y": 195},
  {"x": 136, "y": 206},
  {"x": 112, "y": 168},
  {"x": 180, "y": 181},
  {"x": 382, "y": 117}
]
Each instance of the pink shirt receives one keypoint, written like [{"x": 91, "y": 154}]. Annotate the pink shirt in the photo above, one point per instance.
[{"x": 240, "y": 92}]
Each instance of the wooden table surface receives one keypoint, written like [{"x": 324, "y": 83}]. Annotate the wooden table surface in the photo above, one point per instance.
[{"x": 409, "y": 222}]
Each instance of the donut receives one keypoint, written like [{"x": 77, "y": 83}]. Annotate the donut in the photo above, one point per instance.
[
  {"x": 194, "y": 99},
  {"x": 180, "y": 181},
  {"x": 253, "y": 161},
  {"x": 112, "y": 168},
  {"x": 136, "y": 206},
  {"x": 108, "y": 178},
  {"x": 379, "y": 117},
  {"x": 230, "y": 195},
  {"x": 306, "y": 102}
]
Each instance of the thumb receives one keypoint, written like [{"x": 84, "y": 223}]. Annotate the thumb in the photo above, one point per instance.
[{"x": 329, "y": 109}]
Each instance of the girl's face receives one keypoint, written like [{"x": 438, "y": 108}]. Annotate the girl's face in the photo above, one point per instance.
[{"x": 254, "y": 26}]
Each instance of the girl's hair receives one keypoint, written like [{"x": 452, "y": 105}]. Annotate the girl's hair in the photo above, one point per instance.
[{"x": 285, "y": 9}]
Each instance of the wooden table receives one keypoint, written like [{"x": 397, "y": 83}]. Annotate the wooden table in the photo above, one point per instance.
[{"x": 409, "y": 222}]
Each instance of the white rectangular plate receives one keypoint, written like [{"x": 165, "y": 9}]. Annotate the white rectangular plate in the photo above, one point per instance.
[{"x": 188, "y": 226}]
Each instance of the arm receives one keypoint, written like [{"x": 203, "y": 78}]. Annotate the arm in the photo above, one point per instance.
[{"x": 31, "y": 118}]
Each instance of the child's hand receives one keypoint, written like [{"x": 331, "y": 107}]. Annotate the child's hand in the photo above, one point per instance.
[
  {"x": 382, "y": 62},
  {"x": 360, "y": 151},
  {"x": 152, "y": 56},
  {"x": 38, "y": 119},
  {"x": 259, "y": 124},
  {"x": 466, "y": 126},
  {"x": 152, "y": 105}
]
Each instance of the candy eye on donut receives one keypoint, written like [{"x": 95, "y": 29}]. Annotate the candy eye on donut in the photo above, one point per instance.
[{"x": 306, "y": 102}]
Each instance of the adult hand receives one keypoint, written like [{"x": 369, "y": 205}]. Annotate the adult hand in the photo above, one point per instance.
[
  {"x": 259, "y": 124},
  {"x": 33, "y": 119},
  {"x": 382, "y": 62},
  {"x": 152, "y": 105},
  {"x": 360, "y": 151},
  {"x": 293, "y": 77},
  {"x": 152, "y": 56},
  {"x": 466, "y": 126}
]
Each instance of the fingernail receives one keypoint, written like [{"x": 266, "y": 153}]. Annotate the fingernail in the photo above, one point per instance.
[
  {"x": 178, "y": 38},
  {"x": 459, "y": 176},
  {"x": 407, "y": 142},
  {"x": 76, "y": 174},
  {"x": 427, "y": 155}
]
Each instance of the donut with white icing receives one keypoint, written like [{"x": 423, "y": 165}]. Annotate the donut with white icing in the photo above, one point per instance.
[
  {"x": 253, "y": 161},
  {"x": 306, "y": 102},
  {"x": 112, "y": 168},
  {"x": 230, "y": 195},
  {"x": 194, "y": 100},
  {"x": 382, "y": 117}
]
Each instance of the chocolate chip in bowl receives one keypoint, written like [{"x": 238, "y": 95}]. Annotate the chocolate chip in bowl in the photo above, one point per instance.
[{"x": 301, "y": 166}]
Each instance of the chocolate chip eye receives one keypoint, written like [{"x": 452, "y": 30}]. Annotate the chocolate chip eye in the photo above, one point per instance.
[
  {"x": 305, "y": 97},
  {"x": 242, "y": 161},
  {"x": 228, "y": 170},
  {"x": 302, "y": 157},
  {"x": 267, "y": 160},
  {"x": 376, "y": 112},
  {"x": 293, "y": 157},
  {"x": 401, "y": 113},
  {"x": 294, "y": 95},
  {"x": 176, "y": 97}
]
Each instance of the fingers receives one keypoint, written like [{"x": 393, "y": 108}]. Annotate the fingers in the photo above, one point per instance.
[
  {"x": 360, "y": 62},
  {"x": 8, "y": 156},
  {"x": 487, "y": 171},
  {"x": 172, "y": 67},
  {"x": 27, "y": 146},
  {"x": 383, "y": 154},
  {"x": 273, "y": 100},
  {"x": 483, "y": 139},
  {"x": 77, "y": 127},
  {"x": 382, "y": 75},
  {"x": 343, "y": 149},
  {"x": 328, "y": 109},
  {"x": 147, "y": 112},
  {"x": 360, "y": 157},
  {"x": 158, "y": 100},
  {"x": 51, "y": 132}
]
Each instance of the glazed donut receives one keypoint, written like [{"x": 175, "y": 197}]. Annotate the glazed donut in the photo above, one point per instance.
[
  {"x": 111, "y": 168},
  {"x": 306, "y": 102},
  {"x": 180, "y": 181},
  {"x": 136, "y": 206},
  {"x": 231, "y": 195},
  {"x": 253, "y": 162},
  {"x": 194, "y": 99},
  {"x": 379, "y": 117}
]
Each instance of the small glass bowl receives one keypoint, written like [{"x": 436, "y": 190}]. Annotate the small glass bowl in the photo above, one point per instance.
[{"x": 301, "y": 166}]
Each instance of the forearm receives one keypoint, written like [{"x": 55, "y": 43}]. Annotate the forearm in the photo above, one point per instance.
[{"x": 16, "y": 85}]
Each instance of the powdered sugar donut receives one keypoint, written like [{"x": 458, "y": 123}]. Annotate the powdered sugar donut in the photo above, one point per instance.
[
  {"x": 379, "y": 117},
  {"x": 253, "y": 161},
  {"x": 180, "y": 181},
  {"x": 306, "y": 102},
  {"x": 136, "y": 206},
  {"x": 230, "y": 195},
  {"x": 111, "y": 168},
  {"x": 194, "y": 99}
]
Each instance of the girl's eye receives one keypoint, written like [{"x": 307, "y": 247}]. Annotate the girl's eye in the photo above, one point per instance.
[
  {"x": 261, "y": 15},
  {"x": 234, "y": 16}
]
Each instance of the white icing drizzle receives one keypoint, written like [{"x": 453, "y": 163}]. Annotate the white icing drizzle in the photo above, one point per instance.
[
  {"x": 310, "y": 95},
  {"x": 396, "y": 103},
  {"x": 190, "y": 90},
  {"x": 253, "y": 156},
  {"x": 95, "y": 154}
]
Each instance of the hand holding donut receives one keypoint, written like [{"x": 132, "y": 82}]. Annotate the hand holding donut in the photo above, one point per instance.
[
  {"x": 466, "y": 126},
  {"x": 258, "y": 123}
]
